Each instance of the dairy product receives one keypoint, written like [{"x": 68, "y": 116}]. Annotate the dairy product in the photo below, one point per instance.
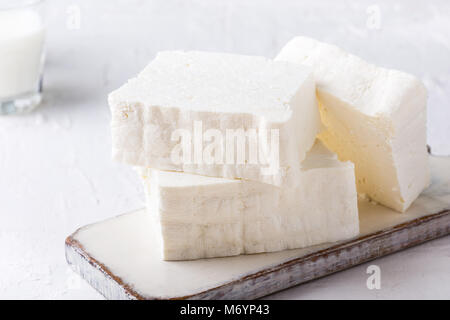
[
  {"x": 203, "y": 217},
  {"x": 21, "y": 52},
  {"x": 374, "y": 117},
  {"x": 202, "y": 93}
]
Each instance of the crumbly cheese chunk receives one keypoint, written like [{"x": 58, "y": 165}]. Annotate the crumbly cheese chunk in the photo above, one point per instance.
[
  {"x": 178, "y": 90},
  {"x": 373, "y": 116},
  {"x": 204, "y": 217}
]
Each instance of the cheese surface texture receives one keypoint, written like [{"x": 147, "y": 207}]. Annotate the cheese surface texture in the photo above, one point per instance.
[
  {"x": 220, "y": 92},
  {"x": 203, "y": 217},
  {"x": 374, "y": 117}
]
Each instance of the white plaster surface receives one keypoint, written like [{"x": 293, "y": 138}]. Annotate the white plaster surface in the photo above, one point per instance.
[{"x": 55, "y": 169}]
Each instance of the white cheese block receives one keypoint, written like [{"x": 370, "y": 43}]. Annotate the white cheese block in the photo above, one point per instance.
[
  {"x": 373, "y": 116},
  {"x": 204, "y": 217},
  {"x": 179, "y": 90}
]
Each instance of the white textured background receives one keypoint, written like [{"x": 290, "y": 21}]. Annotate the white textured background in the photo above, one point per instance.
[{"x": 55, "y": 168}]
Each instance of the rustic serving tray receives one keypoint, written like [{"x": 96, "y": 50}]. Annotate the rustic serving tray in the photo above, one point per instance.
[{"x": 120, "y": 259}]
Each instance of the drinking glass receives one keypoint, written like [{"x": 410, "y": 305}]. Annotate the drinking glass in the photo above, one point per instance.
[{"x": 22, "y": 35}]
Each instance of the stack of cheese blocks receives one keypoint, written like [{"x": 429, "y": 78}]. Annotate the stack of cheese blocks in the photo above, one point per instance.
[{"x": 344, "y": 126}]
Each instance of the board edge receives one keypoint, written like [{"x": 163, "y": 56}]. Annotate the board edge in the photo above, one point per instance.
[{"x": 303, "y": 266}]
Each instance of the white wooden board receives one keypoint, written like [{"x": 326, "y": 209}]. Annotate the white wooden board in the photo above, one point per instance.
[{"x": 121, "y": 260}]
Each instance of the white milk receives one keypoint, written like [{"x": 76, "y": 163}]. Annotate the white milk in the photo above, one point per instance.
[{"x": 21, "y": 52}]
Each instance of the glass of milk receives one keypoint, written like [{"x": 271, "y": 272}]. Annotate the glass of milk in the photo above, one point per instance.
[{"x": 22, "y": 35}]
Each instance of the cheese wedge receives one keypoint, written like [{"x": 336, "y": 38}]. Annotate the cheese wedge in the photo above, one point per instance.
[
  {"x": 374, "y": 117},
  {"x": 195, "y": 92},
  {"x": 203, "y": 217}
]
